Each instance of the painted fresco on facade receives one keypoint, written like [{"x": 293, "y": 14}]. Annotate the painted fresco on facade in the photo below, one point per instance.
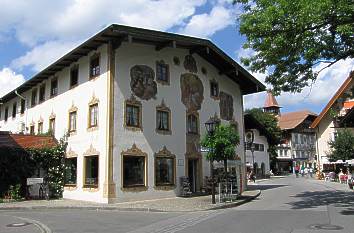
[{"x": 142, "y": 82}]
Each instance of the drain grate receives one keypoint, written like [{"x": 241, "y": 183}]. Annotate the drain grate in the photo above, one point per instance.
[
  {"x": 21, "y": 224},
  {"x": 327, "y": 227}
]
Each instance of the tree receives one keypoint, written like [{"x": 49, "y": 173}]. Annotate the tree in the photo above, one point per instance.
[
  {"x": 290, "y": 38},
  {"x": 342, "y": 148},
  {"x": 270, "y": 123},
  {"x": 222, "y": 144}
]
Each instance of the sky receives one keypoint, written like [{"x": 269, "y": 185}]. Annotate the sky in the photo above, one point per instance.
[{"x": 35, "y": 33}]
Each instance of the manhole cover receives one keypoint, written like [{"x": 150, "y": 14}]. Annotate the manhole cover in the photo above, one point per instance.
[
  {"x": 20, "y": 224},
  {"x": 327, "y": 227}
]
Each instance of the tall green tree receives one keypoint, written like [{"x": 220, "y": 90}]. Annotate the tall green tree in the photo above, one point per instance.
[
  {"x": 290, "y": 38},
  {"x": 270, "y": 123},
  {"x": 222, "y": 144},
  {"x": 342, "y": 148}
]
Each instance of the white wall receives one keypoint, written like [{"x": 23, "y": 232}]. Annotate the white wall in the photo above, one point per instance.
[
  {"x": 148, "y": 140},
  {"x": 259, "y": 156}
]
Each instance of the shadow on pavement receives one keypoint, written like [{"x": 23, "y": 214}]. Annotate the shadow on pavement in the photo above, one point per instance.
[
  {"x": 265, "y": 186},
  {"x": 322, "y": 198}
]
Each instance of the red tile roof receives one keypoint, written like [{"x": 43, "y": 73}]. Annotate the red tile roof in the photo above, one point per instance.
[
  {"x": 270, "y": 101},
  {"x": 291, "y": 120},
  {"x": 25, "y": 141}
]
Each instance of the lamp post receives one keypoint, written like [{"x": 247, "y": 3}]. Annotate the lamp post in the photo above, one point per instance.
[{"x": 210, "y": 126}]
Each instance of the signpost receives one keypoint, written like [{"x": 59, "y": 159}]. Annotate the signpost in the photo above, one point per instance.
[{"x": 32, "y": 181}]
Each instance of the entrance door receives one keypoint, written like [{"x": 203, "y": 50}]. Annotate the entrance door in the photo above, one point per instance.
[{"x": 192, "y": 174}]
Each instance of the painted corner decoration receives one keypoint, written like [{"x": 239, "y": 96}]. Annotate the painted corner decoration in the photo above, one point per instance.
[
  {"x": 226, "y": 106},
  {"x": 192, "y": 91},
  {"x": 142, "y": 82},
  {"x": 190, "y": 64}
]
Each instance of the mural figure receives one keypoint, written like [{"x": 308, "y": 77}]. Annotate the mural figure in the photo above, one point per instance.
[
  {"x": 190, "y": 64},
  {"x": 192, "y": 91},
  {"x": 226, "y": 106},
  {"x": 142, "y": 82}
]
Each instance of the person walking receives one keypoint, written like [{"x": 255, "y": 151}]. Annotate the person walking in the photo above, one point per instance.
[
  {"x": 311, "y": 171},
  {"x": 306, "y": 171},
  {"x": 297, "y": 168}
]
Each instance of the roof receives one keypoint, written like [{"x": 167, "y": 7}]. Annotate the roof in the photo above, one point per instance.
[
  {"x": 291, "y": 120},
  {"x": 252, "y": 123},
  {"x": 116, "y": 34},
  {"x": 270, "y": 101},
  {"x": 24, "y": 141},
  {"x": 339, "y": 92}
]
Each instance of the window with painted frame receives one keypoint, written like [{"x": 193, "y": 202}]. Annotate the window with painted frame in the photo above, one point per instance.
[
  {"x": 32, "y": 129},
  {"x": 70, "y": 172},
  {"x": 133, "y": 115},
  {"x": 192, "y": 124},
  {"x": 162, "y": 72},
  {"x": 72, "y": 121},
  {"x": 93, "y": 115},
  {"x": 52, "y": 126},
  {"x": 134, "y": 170},
  {"x": 165, "y": 168},
  {"x": 40, "y": 127},
  {"x": 162, "y": 120},
  {"x": 91, "y": 177}
]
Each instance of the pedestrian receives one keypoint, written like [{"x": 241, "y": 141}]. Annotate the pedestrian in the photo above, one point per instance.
[
  {"x": 302, "y": 172},
  {"x": 297, "y": 171},
  {"x": 253, "y": 177},
  {"x": 306, "y": 171},
  {"x": 311, "y": 171}
]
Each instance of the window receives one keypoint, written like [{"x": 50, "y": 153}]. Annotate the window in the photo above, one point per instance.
[
  {"x": 192, "y": 124},
  {"x": 162, "y": 72},
  {"x": 261, "y": 147},
  {"x": 132, "y": 115},
  {"x": 214, "y": 89},
  {"x": 23, "y": 106},
  {"x": 40, "y": 127},
  {"x": 163, "y": 119},
  {"x": 6, "y": 113},
  {"x": 14, "y": 110},
  {"x": 70, "y": 172},
  {"x": 52, "y": 126},
  {"x": 93, "y": 115},
  {"x": 280, "y": 153},
  {"x": 72, "y": 121},
  {"x": 285, "y": 152},
  {"x": 42, "y": 93},
  {"x": 54, "y": 87},
  {"x": 164, "y": 171},
  {"x": 74, "y": 76},
  {"x": 133, "y": 171},
  {"x": 94, "y": 66},
  {"x": 91, "y": 171},
  {"x": 32, "y": 129},
  {"x": 34, "y": 98}
]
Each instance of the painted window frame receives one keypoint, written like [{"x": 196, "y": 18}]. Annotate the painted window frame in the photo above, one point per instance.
[
  {"x": 163, "y": 108},
  {"x": 192, "y": 114},
  {"x": 65, "y": 172},
  {"x": 133, "y": 102},
  {"x": 90, "y": 185},
  {"x": 164, "y": 153},
  {"x": 160, "y": 65}
]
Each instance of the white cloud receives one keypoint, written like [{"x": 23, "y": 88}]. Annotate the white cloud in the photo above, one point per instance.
[
  {"x": 9, "y": 80},
  {"x": 205, "y": 25},
  {"x": 327, "y": 83},
  {"x": 43, "y": 55}
]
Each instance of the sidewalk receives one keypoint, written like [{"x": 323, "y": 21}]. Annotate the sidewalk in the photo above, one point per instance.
[{"x": 175, "y": 204}]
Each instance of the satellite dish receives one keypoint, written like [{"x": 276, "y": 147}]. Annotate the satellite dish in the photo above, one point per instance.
[{"x": 249, "y": 137}]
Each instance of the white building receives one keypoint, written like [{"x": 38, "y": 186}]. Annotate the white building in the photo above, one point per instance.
[
  {"x": 262, "y": 138},
  {"x": 134, "y": 102},
  {"x": 336, "y": 115}
]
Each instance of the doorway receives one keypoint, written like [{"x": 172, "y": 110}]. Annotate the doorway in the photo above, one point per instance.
[{"x": 192, "y": 173}]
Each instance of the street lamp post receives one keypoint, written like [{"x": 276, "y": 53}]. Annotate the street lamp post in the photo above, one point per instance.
[{"x": 210, "y": 126}]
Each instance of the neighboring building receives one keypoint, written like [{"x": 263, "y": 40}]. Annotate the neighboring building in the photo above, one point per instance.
[
  {"x": 298, "y": 140},
  {"x": 134, "y": 103},
  {"x": 262, "y": 139},
  {"x": 336, "y": 115}
]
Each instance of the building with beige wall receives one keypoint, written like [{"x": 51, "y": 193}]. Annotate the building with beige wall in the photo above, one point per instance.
[
  {"x": 134, "y": 103},
  {"x": 336, "y": 115}
]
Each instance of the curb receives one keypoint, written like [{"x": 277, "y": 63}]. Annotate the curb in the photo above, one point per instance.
[{"x": 231, "y": 205}]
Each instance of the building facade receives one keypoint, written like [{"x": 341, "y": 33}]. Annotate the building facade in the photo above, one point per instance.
[
  {"x": 297, "y": 146},
  {"x": 336, "y": 115},
  {"x": 133, "y": 103}
]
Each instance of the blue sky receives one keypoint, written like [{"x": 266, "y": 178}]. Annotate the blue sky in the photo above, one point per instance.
[{"x": 34, "y": 33}]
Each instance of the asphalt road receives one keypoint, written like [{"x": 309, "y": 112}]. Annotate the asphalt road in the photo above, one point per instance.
[{"x": 285, "y": 205}]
